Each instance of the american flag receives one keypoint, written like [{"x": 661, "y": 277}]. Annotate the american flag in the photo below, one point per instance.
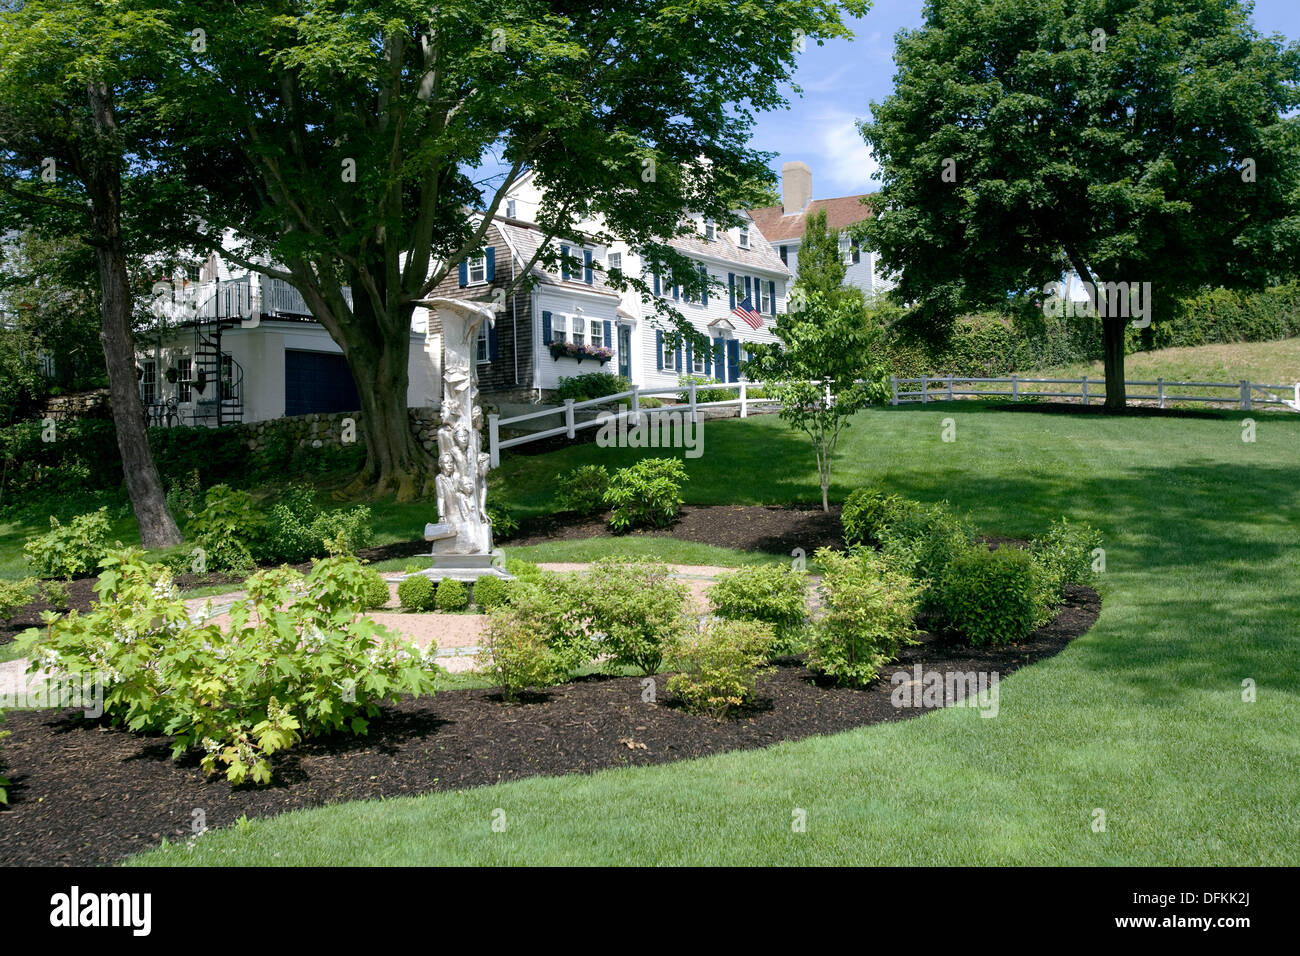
[{"x": 747, "y": 312}]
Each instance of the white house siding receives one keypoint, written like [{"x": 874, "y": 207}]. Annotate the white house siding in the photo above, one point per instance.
[{"x": 567, "y": 302}]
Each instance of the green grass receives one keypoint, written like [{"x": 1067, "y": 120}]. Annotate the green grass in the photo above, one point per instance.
[{"x": 1143, "y": 717}]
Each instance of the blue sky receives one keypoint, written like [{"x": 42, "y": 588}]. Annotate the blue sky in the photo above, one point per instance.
[{"x": 841, "y": 79}]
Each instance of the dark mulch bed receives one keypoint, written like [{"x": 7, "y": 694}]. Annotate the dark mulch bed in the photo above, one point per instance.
[
  {"x": 87, "y": 794},
  {"x": 775, "y": 529}
]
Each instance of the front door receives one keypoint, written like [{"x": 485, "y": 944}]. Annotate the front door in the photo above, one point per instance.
[
  {"x": 733, "y": 360},
  {"x": 625, "y": 352}
]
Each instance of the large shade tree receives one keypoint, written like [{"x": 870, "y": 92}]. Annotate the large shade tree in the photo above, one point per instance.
[
  {"x": 1129, "y": 141},
  {"x": 76, "y": 79},
  {"x": 350, "y": 142}
]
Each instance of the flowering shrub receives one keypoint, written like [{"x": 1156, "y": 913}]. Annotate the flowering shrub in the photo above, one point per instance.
[
  {"x": 297, "y": 660},
  {"x": 580, "y": 352},
  {"x": 66, "y": 551}
]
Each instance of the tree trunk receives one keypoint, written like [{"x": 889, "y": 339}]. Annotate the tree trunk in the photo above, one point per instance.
[
  {"x": 396, "y": 462},
  {"x": 104, "y": 185},
  {"x": 1112, "y": 337}
]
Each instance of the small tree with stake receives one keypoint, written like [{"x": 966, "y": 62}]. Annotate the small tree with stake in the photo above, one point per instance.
[{"x": 824, "y": 371}]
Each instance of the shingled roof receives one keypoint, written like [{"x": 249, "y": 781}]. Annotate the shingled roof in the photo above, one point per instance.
[
  {"x": 844, "y": 211},
  {"x": 759, "y": 255},
  {"x": 524, "y": 240}
]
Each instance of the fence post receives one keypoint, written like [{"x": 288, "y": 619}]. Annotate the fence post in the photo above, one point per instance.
[
  {"x": 1245, "y": 395},
  {"x": 744, "y": 400},
  {"x": 893, "y": 387},
  {"x": 1085, "y": 390},
  {"x": 1160, "y": 390},
  {"x": 568, "y": 415},
  {"x": 925, "y": 386},
  {"x": 1015, "y": 388},
  {"x": 694, "y": 411},
  {"x": 494, "y": 437},
  {"x": 828, "y": 393},
  {"x": 636, "y": 405},
  {"x": 950, "y": 388}
]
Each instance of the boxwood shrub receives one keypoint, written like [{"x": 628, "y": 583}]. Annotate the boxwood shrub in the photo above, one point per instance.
[
  {"x": 990, "y": 597},
  {"x": 451, "y": 595},
  {"x": 376, "y": 589},
  {"x": 489, "y": 592},
  {"x": 416, "y": 593}
]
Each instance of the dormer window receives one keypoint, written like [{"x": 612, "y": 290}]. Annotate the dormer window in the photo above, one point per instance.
[
  {"x": 510, "y": 208},
  {"x": 744, "y": 237},
  {"x": 844, "y": 248},
  {"x": 710, "y": 231}
]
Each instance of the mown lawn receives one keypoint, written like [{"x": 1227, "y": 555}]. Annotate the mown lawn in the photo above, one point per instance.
[{"x": 1143, "y": 718}]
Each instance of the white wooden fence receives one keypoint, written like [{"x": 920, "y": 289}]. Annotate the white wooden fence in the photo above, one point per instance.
[
  {"x": 1244, "y": 394},
  {"x": 633, "y": 396}
]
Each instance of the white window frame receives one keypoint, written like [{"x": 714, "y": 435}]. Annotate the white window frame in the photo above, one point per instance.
[
  {"x": 578, "y": 330},
  {"x": 846, "y": 249},
  {"x": 559, "y": 328},
  {"x": 184, "y": 378},
  {"x": 149, "y": 382},
  {"x": 670, "y": 357},
  {"x": 744, "y": 237},
  {"x": 482, "y": 345},
  {"x": 596, "y": 334},
  {"x": 697, "y": 362},
  {"x": 710, "y": 231},
  {"x": 479, "y": 264},
  {"x": 510, "y": 209},
  {"x": 615, "y": 261}
]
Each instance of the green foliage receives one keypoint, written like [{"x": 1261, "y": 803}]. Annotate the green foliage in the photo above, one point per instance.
[
  {"x": 1213, "y": 91},
  {"x": 298, "y": 529},
  {"x": 229, "y": 529},
  {"x": 923, "y": 540},
  {"x": 416, "y": 593},
  {"x": 583, "y": 489},
  {"x": 71, "y": 550},
  {"x": 713, "y": 395},
  {"x": 990, "y": 597},
  {"x": 646, "y": 494},
  {"x": 869, "y": 610},
  {"x": 516, "y": 648},
  {"x": 638, "y": 609},
  {"x": 719, "y": 667},
  {"x": 297, "y": 660},
  {"x": 13, "y": 595},
  {"x": 1062, "y": 557},
  {"x": 592, "y": 385},
  {"x": 524, "y": 570},
  {"x": 83, "y": 456},
  {"x": 489, "y": 592},
  {"x": 4, "y": 781},
  {"x": 868, "y": 511},
  {"x": 775, "y": 595},
  {"x": 451, "y": 595},
  {"x": 56, "y": 594},
  {"x": 504, "y": 523},
  {"x": 377, "y": 593},
  {"x": 822, "y": 338}
]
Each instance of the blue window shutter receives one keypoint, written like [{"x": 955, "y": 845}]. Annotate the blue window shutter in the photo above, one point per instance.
[
  {"x": 464, "y": 274},
  {"x": 708, "y": 360},
  {"x": 704, "y": 274},
  {"x": 609, "y": 335},
  {"x": 493, "y": 347},
  {"x": 731, "y": 287},
  {"x": 690, "y": 359},
  {"x": 588, "y": 274},
  {"x": 748, "y": 287},
  {"x": 656, "y": 283},
  {"x": 564, "y": 265},
  {"x": 719, "y": 355},
  {"x": 678, "y": 359},
  {"x": 733, "y": 358},
  {"x": 676, "y": 290},
  {"x": 546, "y": 328},
  {"x": 659, "y": 349},
  {"x": 771, "y": 291},
  {"x": 491, "y": 254}
]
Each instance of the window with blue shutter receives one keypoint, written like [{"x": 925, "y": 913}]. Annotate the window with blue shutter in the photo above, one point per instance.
[
  {"x": 749, "y": 291},
  {"x": 690, "y": 359},
  {"x": 564, "y": 262},
  {"x": 546, "y": 328},
  {"x": 588, "y": 273},
  {"x": 708, "y": 361},
  {"x": 771, "y": 290},
  {"x": 659, "y": 349},
  {"x": 731, "y": 287},
  {"x": 609, "y": 333},
  {"x": 719, "y": 359},
  {"x": 656, "y": 283},
  {"x": 494, "y": 350},
  {"x": 464, "y": 274},
  {"x": 491, "y": 254},
  {"x": 677, "y": 359}
]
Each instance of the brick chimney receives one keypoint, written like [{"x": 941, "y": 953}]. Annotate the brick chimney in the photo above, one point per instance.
[{"x": 796, "y": 187}]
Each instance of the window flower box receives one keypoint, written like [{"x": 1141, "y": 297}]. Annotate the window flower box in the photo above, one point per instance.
[{"x": 597, "y": 354}]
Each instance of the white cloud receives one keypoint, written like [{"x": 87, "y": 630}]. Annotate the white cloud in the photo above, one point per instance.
[{"x": 845, "y": 165}]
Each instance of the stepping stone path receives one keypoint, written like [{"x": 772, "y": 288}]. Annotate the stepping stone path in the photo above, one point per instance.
[{"x": 457, "y": 634}]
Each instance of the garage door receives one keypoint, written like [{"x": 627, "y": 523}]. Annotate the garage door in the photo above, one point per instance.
[{"x": 318, "y": 382}]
